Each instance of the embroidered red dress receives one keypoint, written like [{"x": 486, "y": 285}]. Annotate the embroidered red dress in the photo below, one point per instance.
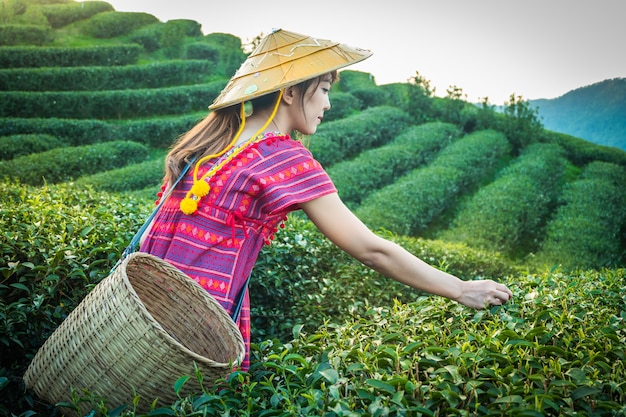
[{"x": 249, "y": 199}]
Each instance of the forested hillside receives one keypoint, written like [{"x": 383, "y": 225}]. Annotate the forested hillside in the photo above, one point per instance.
[
  {"x": 91, "y": 100},
  {"x": 594, "y": 112}
]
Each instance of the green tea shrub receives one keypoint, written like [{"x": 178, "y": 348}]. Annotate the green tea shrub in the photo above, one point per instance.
[
  {"x": 371, "y": 97},
  {"x": 73, "y": 132},
  {"x": 31, "y": 56},
  {"x": 119, "y": 104},
  {"x": 556, "y": 350},
  {"x": 56, "y": 243},
  {"x": 342, "y": 105},
  {"x": 68, "y": 163},
  {"x": 19, "y": 145},
  {"x": 113, "y": 24},
  {"x": 157, "y": 132},
  {"x": 154, "y": 75},
  {"x": 203, "y": 51},
  {"x": 13, "y": 35},
  {"x": 303, "y": 279},
  {"x": 372, "y": 169},
  {"x": 581, "y": 152},
  {"x": 350, "y": 80},
  {"x": 129, "y": 178},
  {"x": 231, "y": 53},
  {"x": 412, "y": 202},
  {"x": 586, "y": 230},
  {"x": 508, "y": 215},
  {"x": 345, "y": 138},
  {"x": 60, "y": 15}
]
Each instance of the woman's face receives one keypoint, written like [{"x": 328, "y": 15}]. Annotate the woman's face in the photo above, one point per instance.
[{"x": 308, "y": 110}]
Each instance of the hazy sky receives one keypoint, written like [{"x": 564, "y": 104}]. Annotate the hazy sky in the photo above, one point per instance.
[{"x": 488, "y": 48}]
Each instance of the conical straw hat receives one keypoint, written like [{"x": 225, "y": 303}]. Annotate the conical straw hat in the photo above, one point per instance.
[{"x": 283, "y": 59}]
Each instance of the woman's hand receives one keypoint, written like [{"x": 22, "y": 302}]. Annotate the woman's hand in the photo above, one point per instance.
[{"x": 483, "y": 293}]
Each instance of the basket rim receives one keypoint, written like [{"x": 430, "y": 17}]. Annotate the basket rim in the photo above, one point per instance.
[{"x": 221, "y": 311}]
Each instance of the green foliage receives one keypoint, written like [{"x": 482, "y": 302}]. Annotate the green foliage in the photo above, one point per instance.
[
  {"x": 522, "y": 126},
  {"x": 18, "y": 145},
  {"x": 586, "y": 230},
  {"x": 68, "y": 163},
  {"x": 302, "y": 279},
  {"x": 346, "y": 138},
  {"x": 411, "y": 203},
  {"x": 509, "y": 214},
  {"x": 129, "y": 178},
  {"x": 154, "y": 75},
  {"x": 31, "y": 57},
  {"x": 60, "y": 15},
  {"x": 231, "y": 54},
  {"x": 350, "y": 81},
  {"x": 112, "y": 104},
  {"x": 355, "y": 179},
  {"x": 113, "y": 24},
  {"x": 73, "y": 132},
  {"x": 156, "y": 132},
  {"x": 170, "y": 35},
  {"x": 581, "y": 152},
  {"x": 12, "y": 35},
  {"x": 556, "y": 351},
  {"x": 342, "y": 105},
  {"x": 56, "y": 243}
]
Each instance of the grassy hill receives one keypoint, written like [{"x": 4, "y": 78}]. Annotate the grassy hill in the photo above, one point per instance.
[
  {"x": 91, "y": 100},
  {"x": 594, "y": 112}
]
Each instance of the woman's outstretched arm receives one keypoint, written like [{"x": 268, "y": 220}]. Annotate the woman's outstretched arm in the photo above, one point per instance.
[{"x": 345, "y": 230}]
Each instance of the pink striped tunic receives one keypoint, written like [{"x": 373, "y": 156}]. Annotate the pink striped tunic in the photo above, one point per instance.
[{"x": 249, "y": 199}]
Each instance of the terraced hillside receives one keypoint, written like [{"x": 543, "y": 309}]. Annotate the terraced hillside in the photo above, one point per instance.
[{"x": 103, "y": 114}]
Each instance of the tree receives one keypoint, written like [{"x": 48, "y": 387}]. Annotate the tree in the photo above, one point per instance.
[{"x": 521, "y": 123}]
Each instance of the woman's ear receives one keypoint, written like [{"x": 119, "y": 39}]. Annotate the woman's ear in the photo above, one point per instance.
[{"x": 289, "y": 94}]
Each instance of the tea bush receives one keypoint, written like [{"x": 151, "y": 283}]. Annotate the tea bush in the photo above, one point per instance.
[
  {"x": 60, "y": 15},
  {"x": 56, "y": 243},
  {"x": 129, "y": 178},
  {"x": 73, "y": 132},
  {"x": 342, "y": 105},
  {"x": 155, "y": 75},
  {"x": 586, "y": 230},
  {"x": 155, "y": 132},
  {"x": 345, "y": 138},
  {"x": 68, "y": 163},
  {"x": 113, "y": 24},
  {"x": 581, "y": 152},
  {"x": 374, "y": 168},
  {"x": 556, "y": 350},
  {"x": 18, "y": 145},
  {"x": 13, "y": 35},
  {"x": 119, "y": 104},
  {"x": 103, "y": 55},
  {"x": 509, "y": 214},
  {"x": 407, "y": 206}
]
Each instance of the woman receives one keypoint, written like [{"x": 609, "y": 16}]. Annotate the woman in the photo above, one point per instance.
[{"x": 248, "y": 174}]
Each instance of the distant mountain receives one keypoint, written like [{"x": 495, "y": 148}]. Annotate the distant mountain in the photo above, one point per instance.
[{"x": 596, "y": 113}]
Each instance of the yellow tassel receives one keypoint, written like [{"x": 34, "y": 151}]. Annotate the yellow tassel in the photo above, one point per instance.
[
  {"x": 188, "y": 205},
  {"x": 200, "y": 188}
]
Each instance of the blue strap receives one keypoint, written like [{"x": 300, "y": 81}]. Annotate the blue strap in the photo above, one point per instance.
[{"x": 135, "y": 240}]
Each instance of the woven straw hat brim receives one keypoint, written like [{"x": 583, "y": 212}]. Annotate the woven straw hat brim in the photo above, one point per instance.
[{"x": 283, "y": 59}]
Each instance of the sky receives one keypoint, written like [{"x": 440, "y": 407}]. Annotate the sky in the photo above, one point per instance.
[{"x": 488, "y": 48}]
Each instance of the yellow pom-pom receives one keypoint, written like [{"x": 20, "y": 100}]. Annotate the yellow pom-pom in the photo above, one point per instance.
[
  {"x": 200, "y": 188},
  {"x": 188, "y": 205}
]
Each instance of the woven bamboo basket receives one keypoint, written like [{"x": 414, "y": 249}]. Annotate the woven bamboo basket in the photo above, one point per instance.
[{"x": 138, "y": 331}]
